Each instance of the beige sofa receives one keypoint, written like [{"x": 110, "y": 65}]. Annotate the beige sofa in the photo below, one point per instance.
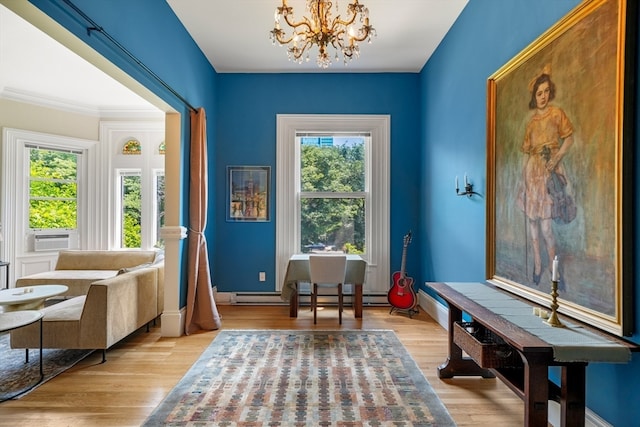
[
  {"x": 111, "y": 309},
  {"x": 77, "y": 269}
]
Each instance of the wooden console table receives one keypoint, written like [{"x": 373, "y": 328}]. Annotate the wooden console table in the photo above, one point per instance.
[{"x": 527, "y": 377}]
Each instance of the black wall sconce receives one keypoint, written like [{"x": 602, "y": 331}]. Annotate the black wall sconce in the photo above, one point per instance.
[{"x": 468, "y": 188}]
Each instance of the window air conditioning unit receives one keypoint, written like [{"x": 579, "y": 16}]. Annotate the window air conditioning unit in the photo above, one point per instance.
[{"x": 50, "y": 242}]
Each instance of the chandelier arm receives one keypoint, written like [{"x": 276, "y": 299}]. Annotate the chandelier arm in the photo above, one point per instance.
[
  {"x": 295, "y": 25},
  {"x": 360, "y": 39},
  {"x": 366, "y": 31},
  {"x": 303, "y": 49},
  {"x": 284, "y": 41},
  {"x": 339, "y": 39},
  {"x": 338, "y": 21},
  {"x": 366, "y": 27}
]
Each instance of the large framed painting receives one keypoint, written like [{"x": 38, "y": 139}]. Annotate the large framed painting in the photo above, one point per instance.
[
  {"x": 248, "y": 193},
  {"x": 559, "y": 166}
]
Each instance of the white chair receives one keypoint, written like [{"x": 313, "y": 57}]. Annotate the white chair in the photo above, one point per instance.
[{"x": 327, "y": 271}]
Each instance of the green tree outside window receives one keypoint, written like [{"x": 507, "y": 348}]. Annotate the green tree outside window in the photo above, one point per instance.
[{"x": 53, "y": 189}]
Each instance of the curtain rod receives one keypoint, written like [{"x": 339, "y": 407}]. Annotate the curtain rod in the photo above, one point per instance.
[{"x": 96, "y": 27}]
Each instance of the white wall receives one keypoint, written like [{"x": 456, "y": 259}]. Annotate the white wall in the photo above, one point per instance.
[{"x": 35, "y": 118}]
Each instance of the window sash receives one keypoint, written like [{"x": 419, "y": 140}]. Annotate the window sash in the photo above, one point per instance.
[{"x": 37, "y": 204}]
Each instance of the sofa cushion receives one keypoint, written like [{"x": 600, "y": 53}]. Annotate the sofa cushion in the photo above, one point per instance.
[
  {"x": 70, "y": 309},
  {"x": 78, "y": 281},
  {"x": 134, "y": 268},
  {"x": 102, "y": 260}
]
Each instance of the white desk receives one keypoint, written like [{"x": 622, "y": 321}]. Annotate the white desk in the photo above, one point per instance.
[
  {"x": 298, "y": 271},
  {"x": 15, "y": 299}
]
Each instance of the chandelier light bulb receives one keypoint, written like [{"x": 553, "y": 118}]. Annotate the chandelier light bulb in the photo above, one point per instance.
[{"x": 322, "y": 30}]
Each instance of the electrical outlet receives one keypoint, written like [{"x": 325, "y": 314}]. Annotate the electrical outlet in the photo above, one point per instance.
[{"x": 262, "y": 276}]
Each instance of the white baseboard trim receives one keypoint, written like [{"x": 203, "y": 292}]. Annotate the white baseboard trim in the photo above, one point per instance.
[
  {"x": 172, "y": 323},
  {"x": 440, "y": 314},
  {"x": 433, "y": 308}
]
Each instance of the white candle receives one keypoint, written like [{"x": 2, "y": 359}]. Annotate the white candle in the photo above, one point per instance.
[
  {"x": 554, "y": 275},
  {"x": 465, "y": 179},
  {"x": 457, "y": 183}
]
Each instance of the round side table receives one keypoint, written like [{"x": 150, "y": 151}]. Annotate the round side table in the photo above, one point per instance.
[
  {"x": 30, "y": 297},
  {"x": 18, "y": 319}
]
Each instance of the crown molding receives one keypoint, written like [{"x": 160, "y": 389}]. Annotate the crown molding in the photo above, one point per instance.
[{"x": 111, "y": 112}]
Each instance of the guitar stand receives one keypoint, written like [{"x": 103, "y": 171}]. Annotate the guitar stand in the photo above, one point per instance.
[{"x": 409, "y": 311}]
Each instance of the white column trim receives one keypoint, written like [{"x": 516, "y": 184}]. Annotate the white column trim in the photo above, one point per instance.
[{"x": 173, "y": 317}]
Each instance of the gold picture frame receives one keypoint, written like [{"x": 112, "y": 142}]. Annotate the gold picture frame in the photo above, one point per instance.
[{"x": 559, "y": 166}]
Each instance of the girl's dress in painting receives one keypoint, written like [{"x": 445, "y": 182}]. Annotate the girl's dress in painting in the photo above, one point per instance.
[{"x": 543, "y": 137}]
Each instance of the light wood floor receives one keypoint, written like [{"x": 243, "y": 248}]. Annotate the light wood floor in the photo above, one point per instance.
[{"x": 142, "y": 369}]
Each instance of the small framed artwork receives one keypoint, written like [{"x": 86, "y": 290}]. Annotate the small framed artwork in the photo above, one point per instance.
[
  {"x": 560, "y": 166},
  {"x": 248, "y": 189}
]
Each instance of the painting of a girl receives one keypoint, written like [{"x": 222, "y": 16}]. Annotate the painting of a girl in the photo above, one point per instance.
[{"x": 543, "y": 198}]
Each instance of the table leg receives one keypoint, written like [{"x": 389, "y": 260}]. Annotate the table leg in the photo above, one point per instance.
[
  {"x": 41, "y": 364},
  {"x": 456, "y": 365},
  {"x": 294, "y": 302},
  {"x": 536, "y": 395},
  {"x": 357, "y": 300},
  {"x": 572, "y": 392}
]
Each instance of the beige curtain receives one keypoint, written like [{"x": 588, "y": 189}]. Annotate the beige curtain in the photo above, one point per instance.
[{"x": 202, "y": 313}]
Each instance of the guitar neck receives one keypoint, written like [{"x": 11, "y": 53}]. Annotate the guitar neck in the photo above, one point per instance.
[{"x": 404, "y": 261}]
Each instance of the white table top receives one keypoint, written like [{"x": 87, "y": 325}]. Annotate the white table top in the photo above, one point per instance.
[
  {"x": 18, "y": 319},
  {"x": 298, "y": 271},
  {"x": 21, "y": 295}
]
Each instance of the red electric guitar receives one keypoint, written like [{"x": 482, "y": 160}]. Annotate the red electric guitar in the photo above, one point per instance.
[{"x": 401, "y": 296}]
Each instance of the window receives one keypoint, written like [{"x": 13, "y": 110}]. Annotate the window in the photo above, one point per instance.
[
  {"x": 45, "y": 178},
  {"x": 136, "y": 198},
  {"x": 333, "y": 198},
  {"x": 134, "y": 230},
  {"x": 130, "y": 212},
  {"x": 53, "y": 188},
  {"x": 332, "y": 192},
  {"x": 159, "y": 206}
]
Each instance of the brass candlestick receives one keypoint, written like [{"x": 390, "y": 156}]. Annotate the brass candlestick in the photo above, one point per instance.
[{"x": 553, "y": 317}]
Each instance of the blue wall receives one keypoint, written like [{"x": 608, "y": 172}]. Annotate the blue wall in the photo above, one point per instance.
[
  {"x": 453, "y": 135},
  {"x": 155, "y": 36},
  {"x": 246, "y": 135},
  {"x": 438, "y": 131}
]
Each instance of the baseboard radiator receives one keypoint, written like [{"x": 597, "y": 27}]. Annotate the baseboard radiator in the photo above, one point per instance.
[{"x": 273, "y": 298}]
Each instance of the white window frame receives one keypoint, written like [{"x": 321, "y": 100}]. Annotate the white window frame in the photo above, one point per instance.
[
  {"x": 112, "y": 135},
  {"x": 80, "y": 197},
  {"x": 288, "y": 196},
  {"x": 17, "y": 245},
  {"x": 155, "y": 232}
]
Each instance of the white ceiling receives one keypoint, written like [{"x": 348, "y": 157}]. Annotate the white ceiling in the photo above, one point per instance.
[
  {"x": 35, "y": 68},
  {"x": 234, "y": 35}
]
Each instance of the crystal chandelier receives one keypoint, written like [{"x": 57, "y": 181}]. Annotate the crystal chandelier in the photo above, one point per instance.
[{"x": 323, "y": 30}]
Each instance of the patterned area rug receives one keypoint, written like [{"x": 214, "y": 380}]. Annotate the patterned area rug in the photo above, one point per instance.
[
  {"x": 17, "y": 378},
  {"x": 303, "y": 378}
]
